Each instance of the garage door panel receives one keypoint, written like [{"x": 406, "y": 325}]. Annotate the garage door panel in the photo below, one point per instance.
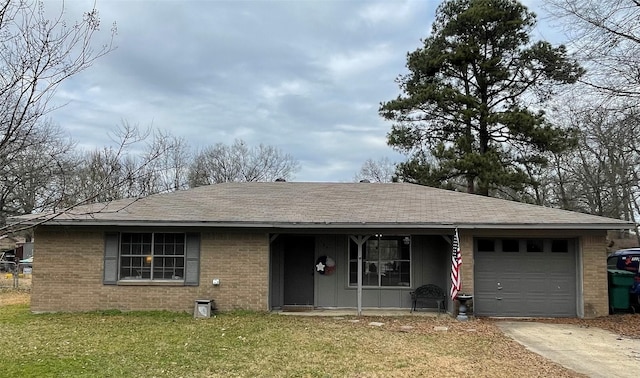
[
  {"x": 488, "y": 306},
  {"x": 534, "y": 306},
  {"x": 522, "y": 284},
  {"x": 560, "y": 282}
]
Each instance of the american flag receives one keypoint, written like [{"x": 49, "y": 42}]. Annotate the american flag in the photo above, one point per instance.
[{"x": 456, "y": 261}]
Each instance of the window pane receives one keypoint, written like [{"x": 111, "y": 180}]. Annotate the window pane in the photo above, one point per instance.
[
  {"x": 404, "y": 268},
  {"x": 560, "y": 246},
  {"x": 137, "y": 262},
  {"x": 353, "y": 272},
  {"x": 388, "y": 249},
  {"x": 152, "y": 256},
  {"x": 405, "y": 251},
  {"x": 486, "y": 245},
  {"x": 388, "y": 280},
  {"x": 372, "y": 250},
  {"x": 390, "y": 276},
  {"x": 165, "y": 268},
  {"x": 146, "y": 266},
  {"x": 386, "y": 261},
  {"x": 132, "y": 264},
  {"x": 370, "y": 275},
  {"x": 126, "y": 269},
  {"x": 353, "y": 250}
]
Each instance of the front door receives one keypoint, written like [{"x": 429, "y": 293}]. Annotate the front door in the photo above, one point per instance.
[{"x": 298, "y": 270}]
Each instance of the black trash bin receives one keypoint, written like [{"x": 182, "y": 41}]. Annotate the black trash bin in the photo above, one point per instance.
[{"x": 620, "y": 283}]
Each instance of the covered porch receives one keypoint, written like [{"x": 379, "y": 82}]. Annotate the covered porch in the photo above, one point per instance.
[{"x": 318, "y": 273}]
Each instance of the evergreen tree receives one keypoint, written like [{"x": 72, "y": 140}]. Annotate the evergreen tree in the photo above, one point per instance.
[{"x": 469, "y": 109}]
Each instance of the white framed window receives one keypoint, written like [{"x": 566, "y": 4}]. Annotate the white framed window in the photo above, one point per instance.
[
  {"x": 152, "y": 256},
  {"x": 386, "y": 261}
]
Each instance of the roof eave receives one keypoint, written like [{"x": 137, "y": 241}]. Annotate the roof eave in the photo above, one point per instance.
[{"x": 342, "y": 225}]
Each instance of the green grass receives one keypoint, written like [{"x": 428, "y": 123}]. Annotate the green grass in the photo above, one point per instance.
[{"x": 246, "y": 344}]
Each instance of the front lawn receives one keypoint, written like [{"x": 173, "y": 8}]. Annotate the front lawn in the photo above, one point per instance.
[{"x": 243, "y": 344}]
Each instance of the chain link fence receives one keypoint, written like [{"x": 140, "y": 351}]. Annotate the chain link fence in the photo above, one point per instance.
[{"x": 14, "y": 275}]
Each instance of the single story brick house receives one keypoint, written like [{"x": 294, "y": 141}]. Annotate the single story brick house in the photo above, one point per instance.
[{"x": 269, "y": 246}]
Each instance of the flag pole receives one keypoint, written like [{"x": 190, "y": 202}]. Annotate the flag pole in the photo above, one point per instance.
[
  {"x": 456, "y": 261},
  {"x": 456, "y": 279}
]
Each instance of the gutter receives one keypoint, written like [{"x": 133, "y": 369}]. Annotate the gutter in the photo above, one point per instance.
[{"x": 343, "y": 225}]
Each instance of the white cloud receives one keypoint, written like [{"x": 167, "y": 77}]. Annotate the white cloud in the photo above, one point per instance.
[
  {"x": 285, "y": 88},
  {"x": 388, "y": 11},
  {"x": 359, "y": 62},
  {"x": 355, "y": 128}
]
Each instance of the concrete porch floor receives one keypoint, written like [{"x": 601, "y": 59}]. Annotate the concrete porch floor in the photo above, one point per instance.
[{"x": 365, "y": 312}]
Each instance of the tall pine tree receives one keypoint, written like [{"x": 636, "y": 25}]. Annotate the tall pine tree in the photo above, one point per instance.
[{"x": 469, "y": 110}]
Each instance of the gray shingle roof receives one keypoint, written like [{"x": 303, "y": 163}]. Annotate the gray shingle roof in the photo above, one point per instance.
[{"x": 330, "y": 205}]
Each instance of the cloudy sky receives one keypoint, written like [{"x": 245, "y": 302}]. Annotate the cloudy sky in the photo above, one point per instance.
[{"x": 305, "y": 76}]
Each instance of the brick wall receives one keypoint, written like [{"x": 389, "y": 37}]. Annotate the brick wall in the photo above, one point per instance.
[
  {"x": 594, "y": 270},
  {"x": 241, "y": 262},
  {"x": 68, "y": 274},
  {"x": 466, "y": 249}
]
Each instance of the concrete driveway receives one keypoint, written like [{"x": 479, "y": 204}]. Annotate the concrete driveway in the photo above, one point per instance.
[{"x": 591, "y": 351}]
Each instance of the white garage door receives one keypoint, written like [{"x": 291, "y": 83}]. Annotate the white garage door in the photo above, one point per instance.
[{"x": 525, "y": 277}]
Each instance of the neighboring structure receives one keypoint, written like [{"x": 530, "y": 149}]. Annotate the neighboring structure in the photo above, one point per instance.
[
  {"x": 8, "y": 242},
  {"x": 12, "y": 250},
  {"x": 267, "y": 246}
]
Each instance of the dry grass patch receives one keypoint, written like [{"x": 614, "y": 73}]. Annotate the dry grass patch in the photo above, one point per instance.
[
  {"x": 7, "y": 281},
  {"x": 14, "y": 297},
  {"x": 244, "y": 344}
]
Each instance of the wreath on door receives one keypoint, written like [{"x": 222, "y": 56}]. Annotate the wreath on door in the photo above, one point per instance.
[{"x": 325, "y": 265}]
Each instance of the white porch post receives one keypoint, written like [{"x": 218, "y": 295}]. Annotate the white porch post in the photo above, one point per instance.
[{"x": 359, "y": 240}]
